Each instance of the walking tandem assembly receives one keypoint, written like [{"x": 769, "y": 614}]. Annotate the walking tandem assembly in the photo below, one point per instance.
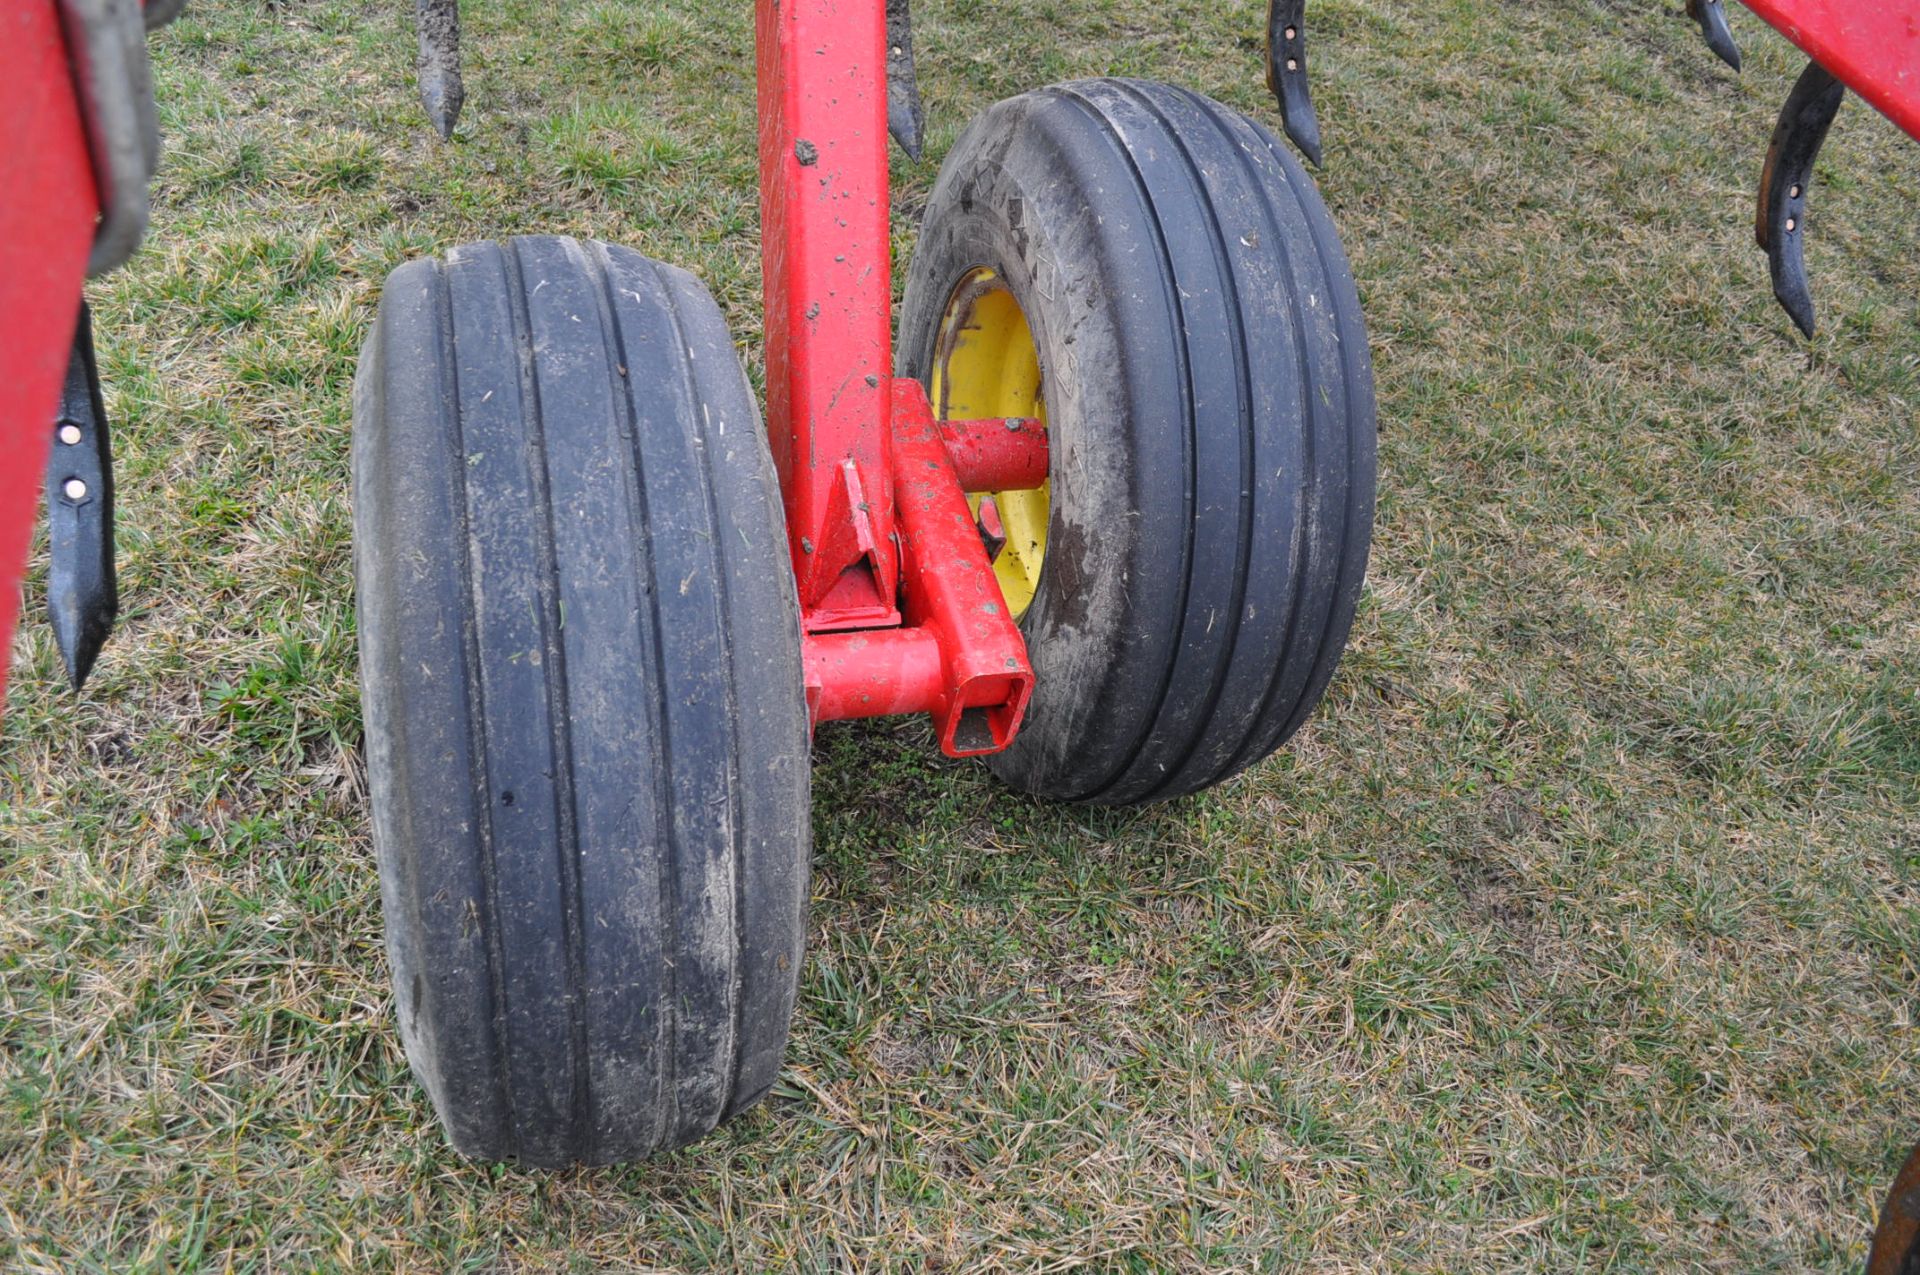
[
  {"x": 1099, "y": 507},
  {"x": 1100, "y": 510}
]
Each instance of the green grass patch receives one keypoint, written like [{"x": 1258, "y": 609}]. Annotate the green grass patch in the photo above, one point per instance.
[{"x": 1578, "y": 930}]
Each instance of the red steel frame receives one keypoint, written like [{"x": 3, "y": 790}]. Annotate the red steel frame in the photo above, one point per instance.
[
  {"x": 47, "y": 210},
  {"x": 1871, "y": 46},
  {"x": 899, "y": 604},
  {"x": 898, "y": 599}
]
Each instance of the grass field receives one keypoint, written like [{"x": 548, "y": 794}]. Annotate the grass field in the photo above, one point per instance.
[{"x": 1578, "y": 931}]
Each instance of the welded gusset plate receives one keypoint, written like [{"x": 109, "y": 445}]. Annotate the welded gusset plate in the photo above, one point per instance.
[
  {"x": 1712, "y": 17},
  {"x": 442, "y": 91},
  {"x": 1287, "y": 74},
  {"x": 1780, "y": 225},
  {"x": 82, "y": 596},
  {"x": 906, "y": 120}
]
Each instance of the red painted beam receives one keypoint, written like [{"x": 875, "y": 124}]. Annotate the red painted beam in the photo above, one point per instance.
[
  {"x": 825, "y": 245},
  {"x": 1872, "y": 46},
  {"x": 47, "y": 209}
]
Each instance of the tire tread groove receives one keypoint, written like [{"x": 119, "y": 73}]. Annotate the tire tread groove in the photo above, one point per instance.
[
  {"x": 1299, "y": 575},
  {"x": 1175, "y": 772},
  {"x": 1354, "y": 419},
  {"x": 735, "y": 813},
  {"x": 657, "y": 708},
  {"x": 554, "y": 675},
  {"x": 631, "y": 485},
  {"x": 476, "y": 724},
  {"x": 690, "y": 385},
  {"x": 1189, "y": 413}
]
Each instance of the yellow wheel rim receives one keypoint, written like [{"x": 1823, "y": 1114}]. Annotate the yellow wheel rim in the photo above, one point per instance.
[{"x": 985, "y": 365}]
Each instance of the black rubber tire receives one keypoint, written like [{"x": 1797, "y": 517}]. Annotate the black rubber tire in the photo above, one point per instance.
[
  {"x": 586, "y": 732},
  {"x": 1210, "y": 406}
]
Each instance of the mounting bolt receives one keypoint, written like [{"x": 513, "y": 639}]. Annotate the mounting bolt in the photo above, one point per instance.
[
  {"x": 70, "y": 435},
  {"x": 806, "y": 545},
  {"x": 1013, "y": 424},
  {"x": 74, "y": 490}
]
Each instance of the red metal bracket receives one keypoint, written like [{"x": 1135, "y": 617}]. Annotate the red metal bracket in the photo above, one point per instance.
[{"x": 960, "y": 657}]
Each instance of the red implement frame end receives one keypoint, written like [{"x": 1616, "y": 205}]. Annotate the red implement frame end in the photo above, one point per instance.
[{"x": 1871, "y": 46}]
